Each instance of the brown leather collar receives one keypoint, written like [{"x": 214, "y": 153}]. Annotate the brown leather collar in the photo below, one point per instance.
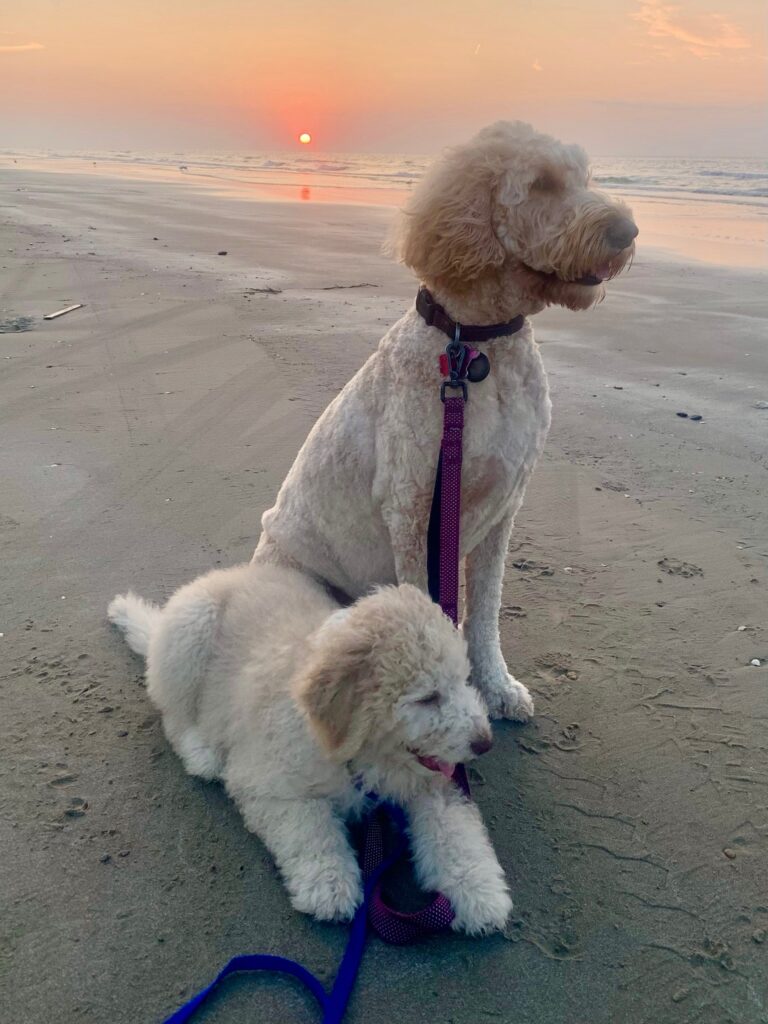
[{"x": 435, "y": 316}]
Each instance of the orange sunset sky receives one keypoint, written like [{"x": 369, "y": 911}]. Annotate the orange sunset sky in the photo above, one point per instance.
[{"x": 624, "y": 77}]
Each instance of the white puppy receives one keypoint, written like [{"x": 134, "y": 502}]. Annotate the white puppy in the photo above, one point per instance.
[{"x": 300, "y": 708}]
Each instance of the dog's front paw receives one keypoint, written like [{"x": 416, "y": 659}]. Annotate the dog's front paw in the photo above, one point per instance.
[
  {"x": 329, "y": 891},
  {"x": 483, "y": 909},
  {"x": 505, "y": 696},
  {"x": 511, "y": 700}
]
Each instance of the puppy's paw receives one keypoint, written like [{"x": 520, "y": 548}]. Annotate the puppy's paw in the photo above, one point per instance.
[
  {"x": 482, "y": 910},
  {"x": 329, "y": 891},
  {"x": 506, "y": 697}
]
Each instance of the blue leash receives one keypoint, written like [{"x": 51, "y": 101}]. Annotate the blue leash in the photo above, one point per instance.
[{"x": 333, "y": 1003}]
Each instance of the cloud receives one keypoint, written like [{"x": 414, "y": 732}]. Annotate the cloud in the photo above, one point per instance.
[
  {"x": 20, "y": 47},
  {"x": 536, "y": 66},
  {"x": 711, "y": 37}
]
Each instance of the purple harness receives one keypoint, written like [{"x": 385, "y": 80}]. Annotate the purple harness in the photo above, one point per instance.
[{"x": 459, "y": 365}]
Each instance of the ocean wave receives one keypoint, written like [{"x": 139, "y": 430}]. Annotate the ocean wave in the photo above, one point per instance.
[
  {"x": 678, "y": 189},
  {"x": 729, "y": 179},
  {"x": 758, "y": 193},
  {"x": 736, "y": 175},
  {"x": 330, "y": 167},
  {"x": 616, "y": 179}
]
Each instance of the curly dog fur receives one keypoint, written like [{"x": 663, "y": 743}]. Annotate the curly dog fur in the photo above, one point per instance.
[
  {"x": 508, "y": 223},
  {"x": 301, "y": 708}
]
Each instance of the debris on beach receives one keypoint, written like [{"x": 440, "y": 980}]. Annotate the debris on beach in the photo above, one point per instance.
[
  {"x": 690, "y": 416},
  {"x": 756, "y": 662},
  {"x": 14, "y": 324},
  {"x": 538, "y": 569},
  {"x": 262, "y": 291},
  {"x": 334, "y": 287},
  {"x": 761, "y": 405},
  {"x": 222, "y": 252},
  {"x": 61, "y": 312}
]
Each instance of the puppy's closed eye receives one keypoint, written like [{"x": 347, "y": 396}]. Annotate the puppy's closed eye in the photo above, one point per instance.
[{"x": 431, "y": 700}]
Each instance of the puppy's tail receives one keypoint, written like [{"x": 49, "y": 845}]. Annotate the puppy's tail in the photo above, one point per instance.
[{"x": 137, "y": 619}]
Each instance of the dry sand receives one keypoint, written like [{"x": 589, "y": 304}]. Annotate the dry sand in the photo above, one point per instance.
[{"x": 142, "y": 437}]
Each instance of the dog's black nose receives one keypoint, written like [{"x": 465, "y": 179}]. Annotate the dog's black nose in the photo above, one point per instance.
[
  {"x": 621, "y": 233},
  {"x": 482, "y": 744}
]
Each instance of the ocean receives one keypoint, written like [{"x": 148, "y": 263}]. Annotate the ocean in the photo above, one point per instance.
[{"x": 743, "y": 181}]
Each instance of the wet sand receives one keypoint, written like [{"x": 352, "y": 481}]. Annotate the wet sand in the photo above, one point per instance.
[{"x": 142, "y": 437}]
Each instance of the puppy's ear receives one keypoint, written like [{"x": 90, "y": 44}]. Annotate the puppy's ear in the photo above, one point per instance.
[
  {"x": 446, "y": 234},
  {"x": 330, "y": 693}
]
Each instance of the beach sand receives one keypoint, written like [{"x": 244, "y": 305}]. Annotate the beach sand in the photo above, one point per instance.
[{"x": 143, "y": 436}]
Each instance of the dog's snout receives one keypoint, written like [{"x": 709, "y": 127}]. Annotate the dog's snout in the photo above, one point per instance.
[
  {"x": 481, "y": 744},
  {"x": 621, "y": 232}
]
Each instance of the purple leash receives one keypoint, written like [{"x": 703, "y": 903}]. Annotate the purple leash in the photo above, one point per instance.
[
  {"x": 450, "y": 504},
  {"x": 393, "y": 926}
]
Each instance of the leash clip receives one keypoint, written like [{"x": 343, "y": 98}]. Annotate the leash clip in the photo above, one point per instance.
[{"x": 456, "y": 353}]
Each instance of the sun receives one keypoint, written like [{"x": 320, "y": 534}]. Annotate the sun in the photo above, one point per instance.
[{"x": 305, "y": 138}]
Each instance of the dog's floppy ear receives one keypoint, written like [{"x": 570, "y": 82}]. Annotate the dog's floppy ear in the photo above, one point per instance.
[
  {"x": 446, "y": 234},
  {"x": 329, "y": 691}
]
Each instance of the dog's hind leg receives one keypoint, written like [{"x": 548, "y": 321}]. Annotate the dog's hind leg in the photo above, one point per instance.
[
  {"x": 310, "y": 845},
  {"x": 179, "y": 655},
  {"x": 197, "y": 756}
]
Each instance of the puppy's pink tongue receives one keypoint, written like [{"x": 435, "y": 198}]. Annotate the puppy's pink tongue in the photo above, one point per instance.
[
  {"x": 436, "y": 765},
  {"x": 603, "y": 271}
]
